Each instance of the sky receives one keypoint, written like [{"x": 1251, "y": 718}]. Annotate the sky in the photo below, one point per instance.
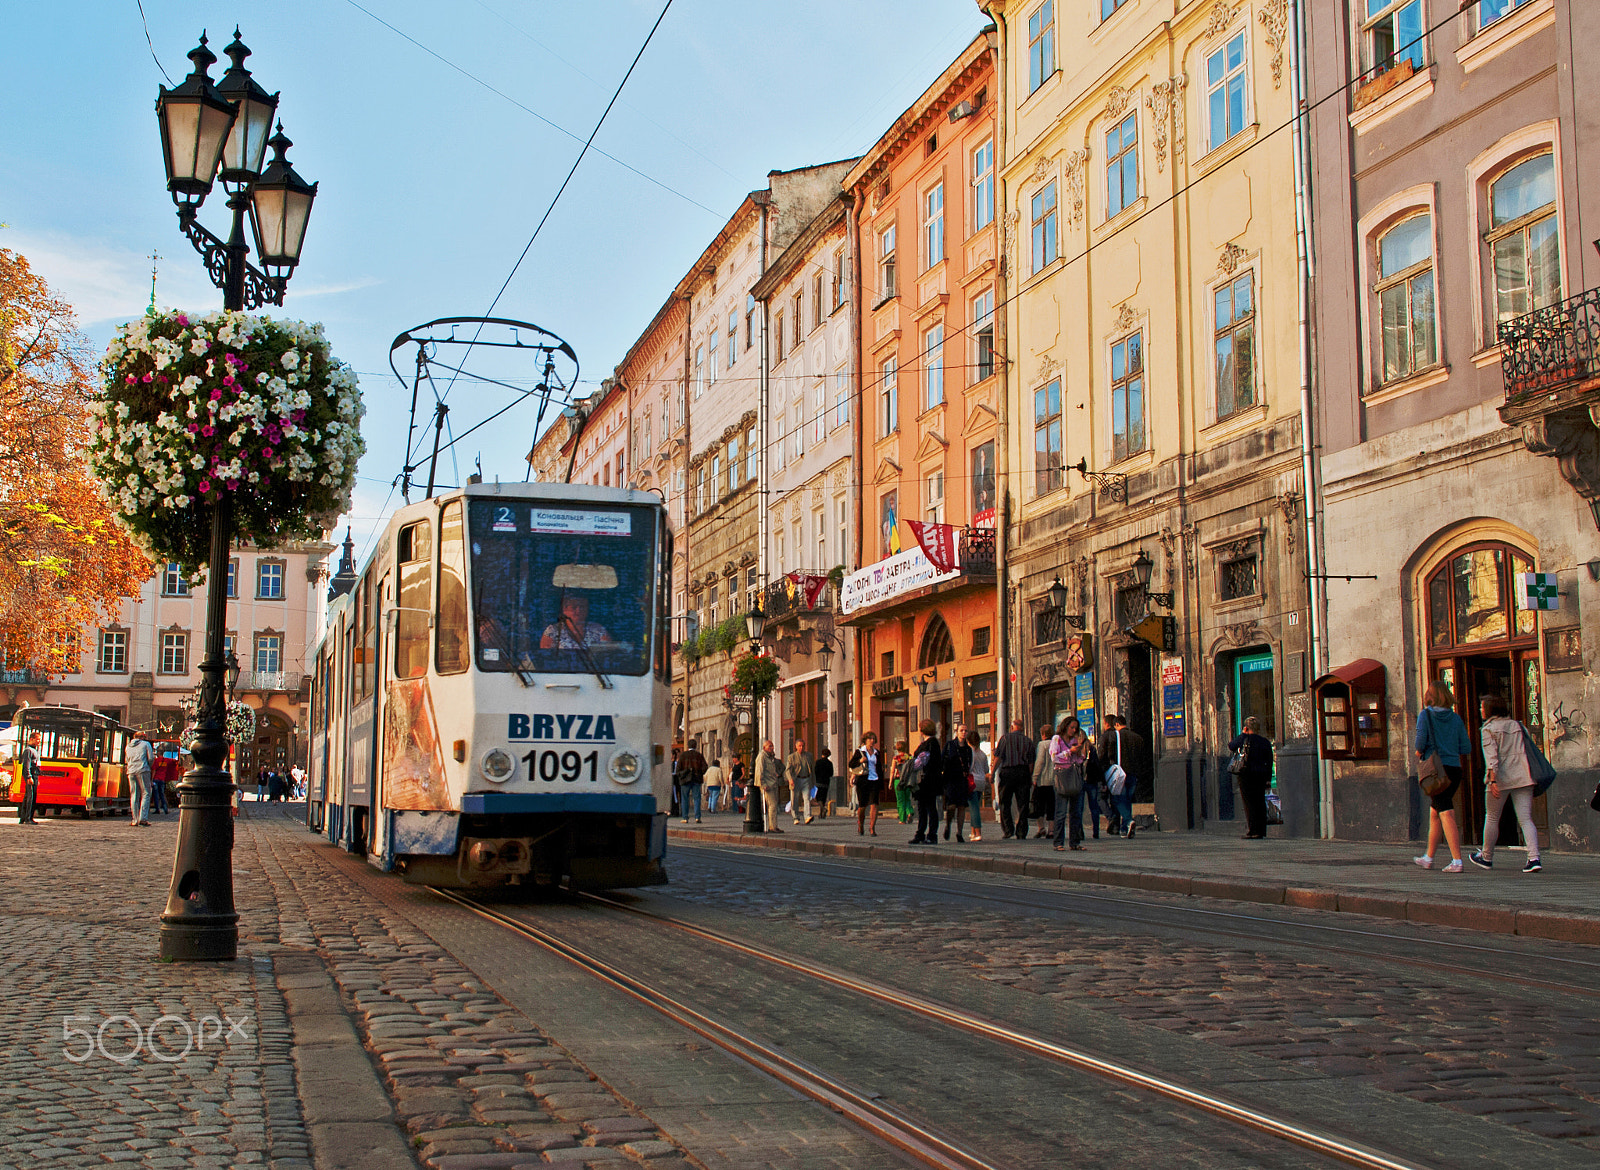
[{"x": 439, "y": 133}]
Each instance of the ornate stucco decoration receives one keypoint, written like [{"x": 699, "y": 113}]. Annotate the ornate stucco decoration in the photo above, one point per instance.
[
  {"x": 1041, "y": 168},
  {"x": 1159, "y": 102},
  {"x": 1571, "y": 438},
  {"x": 1179, "y": 124},
  {"x": 1289, "y": 505},
  {"x": 1047, "y": 365},
  {"x": 1236, "y": 549},
  {"x": 1222, "y": 14},
  {"x": 1274, "y": 17},
  {"x": 1125, "y": 318},
  {"x": 1170, "y": 539},
  {"x": 1075, "y": 166},
  {"x": 1228, "y": 261},
  {"x": 1117, "y": 99},
  {"x": 1243, "y": 633},
  {"x": 1010, "y": 230}
]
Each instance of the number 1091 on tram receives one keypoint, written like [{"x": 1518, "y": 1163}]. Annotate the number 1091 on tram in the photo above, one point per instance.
[{"x": 490, "y": 698}]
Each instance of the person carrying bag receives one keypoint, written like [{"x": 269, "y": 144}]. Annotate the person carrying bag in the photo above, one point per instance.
[
  {"x": 1069, "y": 752},
  {"x": 1442, "y": 744}
]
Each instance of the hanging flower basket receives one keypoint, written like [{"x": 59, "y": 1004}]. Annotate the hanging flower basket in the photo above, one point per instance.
[
  {"x": 192, "y": 409},
  {"x": 241, "y": 726},
  {"x": 755, "y": 675}
]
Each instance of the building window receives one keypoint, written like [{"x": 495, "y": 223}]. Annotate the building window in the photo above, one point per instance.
[
  {"x": 699, "y": 375},
  {"x": 112, "y": 657},
  {"x": 174, "y": 653},
  {"x": 819, "y": 525},
  {"x": 749, "y": 590},
  {"x": 269, "y": 658},
  {"x": 711, "y": 356},
  {"x": 819, "y": 419},
  {"x": 713, "y": 613},
  {"x": 841, "y": 397},
  {"x": 980, "y": 641},
  {"x": 1234, "y": 341},
  {"x": 933, "y": 498},
  {"x": 1225, "y": 95},
  {"x": 1490, "y": 11},
  {"x": 1127, "y": 397},
  {"x": 1044, "y": 226},
  {"x": 1393, "y": 33},
  {"x": 1122, "y": 165},
  {"x": 1131, "y": 605},
  {"x": 1522, "y": 234},
  {"x": 889, "y": 395},
  {"x": 1047, "y": 465},
  {"x": 983, "y": 186},
  {"x": 841, "y": 530},
  {"x": 1107, "y": 7},
  {"x": 1239, "y": 578},
  {"x": 841, "y": 288},
  {"x": 750, "y": 454},
  {"x": 779, "y": 447},
  {"x": 983, "y": 335},
  {"x": 1041, "y": 44},
  {"x": 269, "y": 580},
  {"x": 1405, "y": 297},
  {"x": 716, "y": 476},
  {"x": 233, "y": 578},
  {"x": 933, "y": 225},
  {"x": 933, "y": 367},
  {"x": 777, "y": 336},
  {"x": 733, "y": 337},
  {"x": 886, "y": 281},
  {"x": 733, "y": 464},
  {"x": 797, "y": 322},
  {"x": 700, "y": 488},
  {"x": 1047, "y": 626},
  {"x": 173, "y": 581},
  {"x": 816, "y": 300}
]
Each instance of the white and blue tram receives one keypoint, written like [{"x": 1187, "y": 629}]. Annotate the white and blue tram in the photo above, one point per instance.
[{"x": 490, "y": 698}]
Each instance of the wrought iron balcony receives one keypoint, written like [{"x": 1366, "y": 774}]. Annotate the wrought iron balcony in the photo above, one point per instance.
[
  {"x": 27, "y": 678},
  {"x": 269, "y": 680},
  {"x": 1554, "y": 350},
  {"x": 976, "y": 547},
  {"x": 785, "y": 599}
]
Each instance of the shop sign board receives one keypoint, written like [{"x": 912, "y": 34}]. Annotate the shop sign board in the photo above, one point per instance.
[
  {"x": 1173, "y": 723},
  {"x": 1085, "y": 702},
  {"x": 891, "y": 577}
]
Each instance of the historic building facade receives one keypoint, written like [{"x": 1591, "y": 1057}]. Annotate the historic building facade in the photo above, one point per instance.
[
  {"x": 1153, "y": 450},
  {"x": 1456, "y": 389},
  {"x": 923, "y": 225}
]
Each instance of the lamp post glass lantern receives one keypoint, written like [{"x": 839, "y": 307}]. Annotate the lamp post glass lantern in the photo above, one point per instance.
[{"x": 207, "y": 130}]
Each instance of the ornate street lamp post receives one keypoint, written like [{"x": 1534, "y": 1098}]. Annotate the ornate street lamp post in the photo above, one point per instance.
[
  {"x": 754, "y": 818},
  {"x": 210, "y": 131}
]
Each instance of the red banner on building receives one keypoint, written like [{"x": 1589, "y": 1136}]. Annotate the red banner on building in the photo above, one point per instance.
[
  {"x": 938, "y": 543},
  {"x": 811, "y": 585}
]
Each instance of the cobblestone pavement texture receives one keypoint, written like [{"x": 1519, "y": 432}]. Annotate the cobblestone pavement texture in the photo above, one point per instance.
[
  {"x": 1465, "y": 1033},
  {"x": 1374, "y": 879},
  {"x": 474, "y": 1083}
]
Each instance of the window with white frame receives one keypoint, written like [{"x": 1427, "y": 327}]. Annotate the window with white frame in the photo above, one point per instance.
[
  {"x": 716, "y": 476},
  {"x": 1122, "y": 164},
  {"x": 983, "y": 185},
  {"x": 1107, "y": 7},
  {"x": 799, "y": 546},
  {"x": 983, "y": 335},
  {"x": 713, "y": 609},
  {"x": 841, "y": 530},
  {"x": 1486, "y": 12},
  {"x": 818, "y": 311},
  {"x": 174, "y": 583},
  {"x": 174, "y": 652},
  {"x": 933, "y": 367},
  {"x": 819, "y": 529},
  {"x": 750, "y": 454},
  {"x": 1391, "y": 31},
  {"x": 733, "y": 337},
  {"x": 777, "y": 336},
  {"x": 233, "y": 578},
  {"x": 1523, "y": 239},
  {"x": 782, "y": 445},
  {"x": 933, "y": 225},
  {"x": 1406, "y": 298},
  {"x": 841, "y": 287},
  {"x": 1127, "y": 396},
  {"x": 1048, "y": 468},
  {"x": 749, "y": 321},
  {"x": 733, "y": 464},
  {"x": 796, "y": 321},
  {"x": 841, "y": 397},
  {"x": 1234, "y": 343},
  {"x": 819, "y": 415},
  {"x": 269, "y": 580},
  {"x": 700, "y": 488},
  {"x": 889, "y": 396},
  {"x": 269, "y": 653},
  {"x": 699, "y": 375},
  {"x": 112, "y": 654},
  {"x": 711, "y": 356},
  {"x": 1041, "y": 44},
  {"x": 933, "y": 497},
  {"x": 1043, "y": 218},
  {"x": 886, "y": 267},
  {"x": 798, "y": 431},
  {"x": 783, "y": 551},
  {"x": 1225, "y": 92}
]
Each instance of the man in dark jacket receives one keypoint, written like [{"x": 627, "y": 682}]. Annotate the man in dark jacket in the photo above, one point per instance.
[
  {"x": 930, "y": 783},
  {"x": 1013, "y": 755},
  {"x": 691, "y": 773},
  {"x": 1121, "y": 747}
]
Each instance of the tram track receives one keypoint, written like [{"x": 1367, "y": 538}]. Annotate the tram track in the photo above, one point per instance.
[{"x": 907, "y": 1134}]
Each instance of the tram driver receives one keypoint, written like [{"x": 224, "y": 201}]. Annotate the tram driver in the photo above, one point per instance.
[{"x": 574, "y": 630}]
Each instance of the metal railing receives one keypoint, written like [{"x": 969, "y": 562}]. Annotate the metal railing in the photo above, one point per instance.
[
  {"x": 269, "y": 680},
  {"x": 976, "y": 546},
  {"x": 785, "y": 599},
  {"x": 1552, "y": 348}
]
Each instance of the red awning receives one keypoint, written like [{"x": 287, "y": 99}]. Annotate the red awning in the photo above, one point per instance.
[{"x": 1366, "y": 673}]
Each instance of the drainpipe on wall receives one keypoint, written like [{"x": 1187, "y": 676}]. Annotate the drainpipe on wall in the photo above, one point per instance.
[
  {"x": 763, "y": 200},
  {"x": 1310, "y": 477},
  {"x": 1002, "y": 428},
  {"x": 857, "y": 463}
]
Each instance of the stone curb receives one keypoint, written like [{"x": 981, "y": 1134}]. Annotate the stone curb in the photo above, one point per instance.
[{"x": 1547, "y": 924}]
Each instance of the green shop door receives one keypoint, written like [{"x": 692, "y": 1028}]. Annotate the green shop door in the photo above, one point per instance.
[{"x": 1254, "y": 693}]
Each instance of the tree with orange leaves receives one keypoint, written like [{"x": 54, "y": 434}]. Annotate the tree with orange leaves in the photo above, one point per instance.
[{"x": 65, "y": 565}]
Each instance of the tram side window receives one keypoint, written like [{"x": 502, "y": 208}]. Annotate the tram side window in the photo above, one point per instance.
[
  {"x": 366, "y": 641},
  {"x": 415, "y": 603},
  {"x": 454, "y": 651}
]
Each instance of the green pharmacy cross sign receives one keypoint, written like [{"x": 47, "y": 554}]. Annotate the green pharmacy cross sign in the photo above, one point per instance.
[{"x": 1537, "y": 591}]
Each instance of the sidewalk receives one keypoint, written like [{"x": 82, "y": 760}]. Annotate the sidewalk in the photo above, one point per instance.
[{"x": 1562, "y": 902}]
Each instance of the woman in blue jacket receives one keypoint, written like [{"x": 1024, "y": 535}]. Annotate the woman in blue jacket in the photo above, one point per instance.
[{"x": 1440, "y": 729}]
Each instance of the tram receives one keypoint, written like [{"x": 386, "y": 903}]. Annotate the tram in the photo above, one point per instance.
[
  {"x": 489, "y": 702},
  {"x": 81, "y": 757}
]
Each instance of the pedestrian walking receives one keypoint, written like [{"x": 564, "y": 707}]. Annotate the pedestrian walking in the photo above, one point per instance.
[
  {"x": 905, "y": 789},
  {"x": 140, "y": 765},
  {"x": 158, "y": 791},
  {"x": 672, "y": 810},
  {"x": 957, "y": 782},
  {"x": 1442, "y": 732},
  {"x": 980, "y": 784},
  {"x": 774, "y": 787},
  {"x": 1044, "y": 791},
  {"x": 1120, "y": 747},
  {"x": 1013, "y": 756},
  {"x": 713, "y": 786},
  {"x": 738, "y": 792},
  {"x": 297, "y": 782},
  {"x": 802, "y": 773},
  {"x": 865, "y": 770},
  {"x": 691, "y": 775},
  {"x": 1254, "y": 753},
  {"x": 824, "y": 774},
  {"x": 1069, "y": 753},
  {"x": 261, "y": 783},
  {"x": 28, "y": 765},
  {"x": 1506, "y": 760},
  {"x": 927, "y": 770}
]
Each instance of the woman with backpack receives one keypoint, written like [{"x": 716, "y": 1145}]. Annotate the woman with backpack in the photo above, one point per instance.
[
  {"x": 1440, "y": 731},
  {"x": 1506, "y": 760}
]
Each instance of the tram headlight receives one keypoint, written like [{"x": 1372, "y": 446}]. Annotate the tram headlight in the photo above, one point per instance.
[
  {"x": 623, "y": 767},
  {"x": 498, "y": 765}
]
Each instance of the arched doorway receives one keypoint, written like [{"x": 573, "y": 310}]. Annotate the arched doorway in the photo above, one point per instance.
[
  {"x": 272, "y": 748},
  {"x": 1477, "y": 642},
  {"x": 938, "y": 648}
]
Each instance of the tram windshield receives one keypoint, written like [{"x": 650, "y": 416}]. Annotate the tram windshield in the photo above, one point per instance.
[{"x": 562, "y": 590}]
